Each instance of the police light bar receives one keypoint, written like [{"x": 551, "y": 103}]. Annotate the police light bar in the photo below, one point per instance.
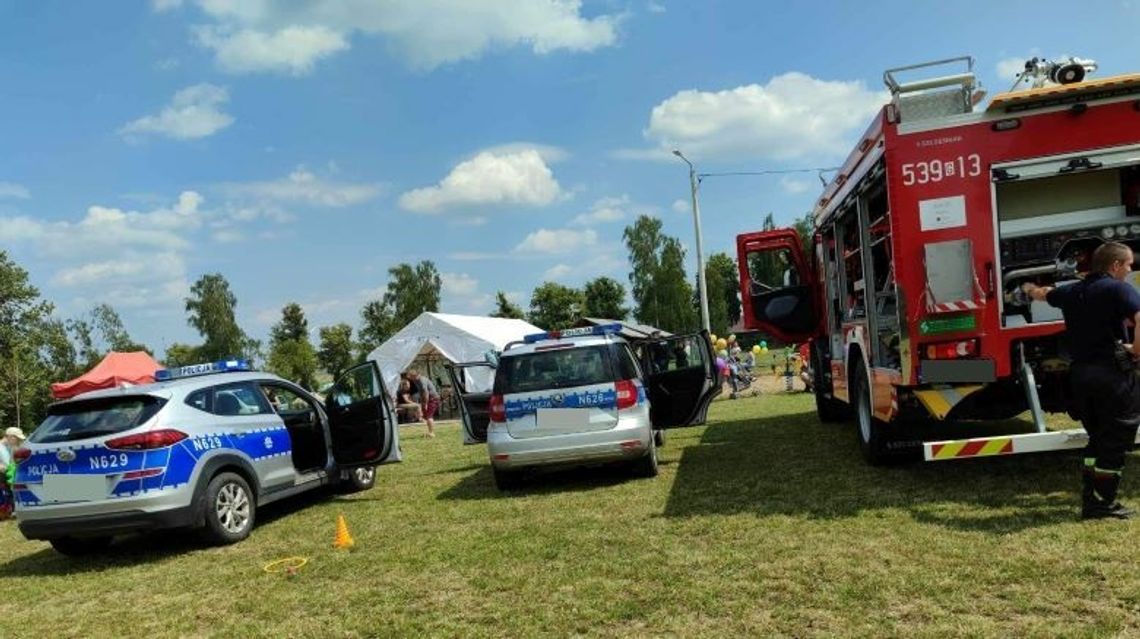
[
  {"x": 208, "y": 368},
  {"x": 604, "y": 329}
]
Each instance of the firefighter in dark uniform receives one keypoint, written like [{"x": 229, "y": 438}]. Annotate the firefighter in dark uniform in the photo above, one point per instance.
[{"x": 1105, "y": 386}]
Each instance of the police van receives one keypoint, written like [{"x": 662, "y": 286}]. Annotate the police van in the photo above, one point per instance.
[
  {"x": 203, "y": 447},
  {"x": 581, "y": 396}
]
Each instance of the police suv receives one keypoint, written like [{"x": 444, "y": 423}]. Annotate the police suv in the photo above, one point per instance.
[
  {"x": 580, "y": 396},
  {"x": 203, "y": 447}
]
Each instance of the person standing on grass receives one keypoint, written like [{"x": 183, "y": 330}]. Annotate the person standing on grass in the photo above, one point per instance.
[
  {"x": 429, "y": 399},
  {"x": 13, "y": 437},
  {"x": 1103, "y": 371}
]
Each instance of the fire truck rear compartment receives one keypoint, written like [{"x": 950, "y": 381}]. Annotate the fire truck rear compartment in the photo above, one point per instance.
[{"x": 1053, "y": 214}]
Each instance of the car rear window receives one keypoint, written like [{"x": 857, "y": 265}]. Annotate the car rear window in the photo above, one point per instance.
[
  {"x": 558, "y": 368},
  {"x": 95, "y": 417}
]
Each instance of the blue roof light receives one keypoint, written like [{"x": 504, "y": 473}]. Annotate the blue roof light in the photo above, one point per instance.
[
  {"x": 208, "y": 368},
  {"x": 604, "y": 329}
]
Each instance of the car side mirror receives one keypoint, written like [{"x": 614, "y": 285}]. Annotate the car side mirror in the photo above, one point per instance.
[{"x": 492, "y": 358}]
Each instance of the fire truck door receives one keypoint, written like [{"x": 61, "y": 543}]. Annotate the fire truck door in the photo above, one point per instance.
[{"x": 776, "y": 288}]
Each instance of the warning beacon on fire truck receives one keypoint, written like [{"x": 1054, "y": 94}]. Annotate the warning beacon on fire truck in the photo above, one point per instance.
[{"x": 939, "y": 212}]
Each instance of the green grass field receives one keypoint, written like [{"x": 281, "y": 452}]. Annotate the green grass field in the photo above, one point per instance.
[{"x": 763, "y": 523}]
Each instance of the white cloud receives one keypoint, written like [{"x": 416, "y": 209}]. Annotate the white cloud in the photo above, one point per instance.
[
  {"x": 194, "y": 112},
  {"x": 159, "y": 6},
  {"x": 654, "y": 7},
  {"x": 794, "y": 186},
  {"x": 681, "y": 206},
  {"x": 557, "y": 272},
  {"x": 293, "y": 50},
  {"x": 292, "y": 37},
  {"x": 458, "y": 284},
  {"x": 557, "y": 241},
  {"x": 794, "y": 115},
  {"x": 520, "y": 177},
  {"x": 607, "y": 209},
  {"x": 11, "y": 189},
  {"x": 304, "y": 186}
]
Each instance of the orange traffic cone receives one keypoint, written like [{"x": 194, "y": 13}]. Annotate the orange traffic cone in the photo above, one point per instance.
[{"x": 343, "y": 540}]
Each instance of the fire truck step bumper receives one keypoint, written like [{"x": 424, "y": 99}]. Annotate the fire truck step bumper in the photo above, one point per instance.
[{"x": 1006, "y": 445}]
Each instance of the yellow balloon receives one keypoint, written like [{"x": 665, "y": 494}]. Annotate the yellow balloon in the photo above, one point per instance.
[
  {"x": 712, "y": 338},
  {"x": 756, "y": 349},
  {"x": 764, "y": 349},
  {"x": 721, "y": 344}
]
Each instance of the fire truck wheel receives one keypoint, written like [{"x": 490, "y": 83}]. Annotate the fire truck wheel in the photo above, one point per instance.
[
  {"x": 829, "y": 409},
  {"x": 872, "y": 439}
]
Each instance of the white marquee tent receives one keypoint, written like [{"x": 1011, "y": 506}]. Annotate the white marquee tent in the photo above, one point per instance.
[{"x": 455, "y": 338}]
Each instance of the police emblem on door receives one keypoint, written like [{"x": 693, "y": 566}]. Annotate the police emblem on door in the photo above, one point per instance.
[{"x": 557, "y": 399}]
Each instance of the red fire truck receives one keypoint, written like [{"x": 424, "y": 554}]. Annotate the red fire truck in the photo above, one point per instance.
[{"x": 937, "y": 215}]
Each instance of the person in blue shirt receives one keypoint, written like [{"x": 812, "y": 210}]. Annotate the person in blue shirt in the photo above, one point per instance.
[{"x": 1102, "y": 371}]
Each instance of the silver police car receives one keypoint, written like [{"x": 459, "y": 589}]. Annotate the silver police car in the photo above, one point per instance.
[
  {"x": 204, "y": 447},
  {"x": 580, "y": 396}
]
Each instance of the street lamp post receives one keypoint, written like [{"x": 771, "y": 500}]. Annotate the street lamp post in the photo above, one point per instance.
[{"x": 702, "y": 289}]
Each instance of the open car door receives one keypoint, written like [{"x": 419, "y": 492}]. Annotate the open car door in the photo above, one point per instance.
[
  {"x": 474, "y": 403},
  {"x": 472, "y": 384},
  {"x": 362, "y": 423},
  {"x": 777, "y": 291},
  {"x": 681, "y": 379}
]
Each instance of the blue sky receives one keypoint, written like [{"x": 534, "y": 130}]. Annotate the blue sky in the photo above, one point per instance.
[{"x": 301, "y": 148}]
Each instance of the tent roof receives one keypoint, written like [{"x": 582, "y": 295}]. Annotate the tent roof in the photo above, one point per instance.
[
  {"x": 116, "y": 369},
  {"x": 458, "y": 338}
]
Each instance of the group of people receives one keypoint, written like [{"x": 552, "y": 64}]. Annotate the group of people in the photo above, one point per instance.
[
  {"x": 13, "y": 437},
  {"x": 417, "y": 399}
]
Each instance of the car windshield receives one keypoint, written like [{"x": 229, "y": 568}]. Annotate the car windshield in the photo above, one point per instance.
[
  {"x": 559, "y": 368},
  {"x": 95, "y": 417}
]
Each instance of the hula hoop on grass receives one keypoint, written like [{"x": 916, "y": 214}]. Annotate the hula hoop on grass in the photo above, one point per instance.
[{"x": 287, "y": 564}]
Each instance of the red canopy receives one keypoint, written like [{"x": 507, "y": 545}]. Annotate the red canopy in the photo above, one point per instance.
[{"x": 116, "y": 369}]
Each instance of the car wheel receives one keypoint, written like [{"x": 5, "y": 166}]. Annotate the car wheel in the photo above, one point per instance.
[
  {"x": 646, "y": 466},
  {"x": 506, "y": 479},
  {"x": 659, "y": 438},
  {"x": 79, "y": 546},
  {"x": 229, "y": 509},
  {"x": 359, "y": 479},
  {"x": 872, "y": 439}
]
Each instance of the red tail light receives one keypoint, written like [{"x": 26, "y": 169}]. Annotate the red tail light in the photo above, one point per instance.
[
  {"x": 20, "y": 454},
  {"x": 498, "y": 409},
  {"x": 146, "y": 441},
  {"x": 952, "y": 350},
  {"x": 626, "y": 394}
]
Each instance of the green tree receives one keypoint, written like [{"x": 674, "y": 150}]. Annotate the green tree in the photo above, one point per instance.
[
  {"x": 291, "y": 354},
  {"x": 661, "y": 291},
  {"x": 554, "y": 306},
  {"x": 377, "y": 324},
  {"x": 720, "y": 272},
  {"x": 335, "y": 353},
  {"x": 25, "y": 366},
  {"x": 805, "y": 226},
  {"x": 506, "y": 308},
  {"x": 603, "y": 297},
  {"x": 84, "y": 340},
  {"x": 106, "y": 319},
  {"x": 181, "y": 355},
  {"x": 211, "y": 308},
  {"x": 411, "y": 291}
]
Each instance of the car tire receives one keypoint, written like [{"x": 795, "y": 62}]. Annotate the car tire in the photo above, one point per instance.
[
  {"x": 646, "y": 466},
  {"x": 659, "y": 438},
  {"x": 359, "y": 479},
  {"x": 869, "y": 429},
  {"x": 229, "y": 509},
  {"x": 80, "y": 546},
  {"x": 506, "y": 479}
]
